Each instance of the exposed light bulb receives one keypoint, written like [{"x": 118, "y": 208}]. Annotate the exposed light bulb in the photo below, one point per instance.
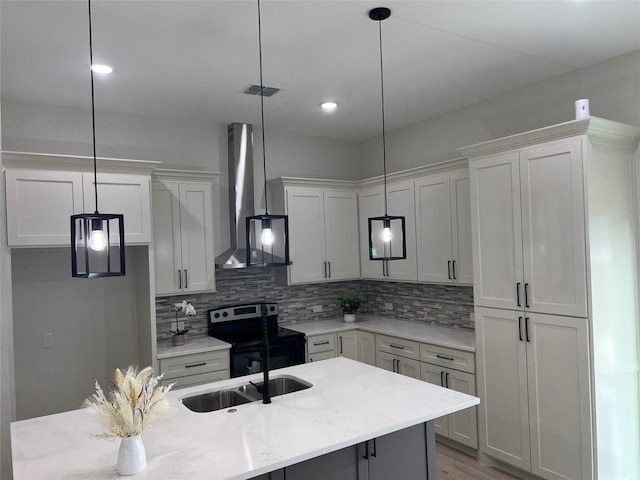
[
  {"x": 99, "y": 68},
  {"x": 329, "y": 106},
  {"x": 386, "y": 235},
  {"x": 97, "y": 240},
  {"x": 267, "y": 236}
]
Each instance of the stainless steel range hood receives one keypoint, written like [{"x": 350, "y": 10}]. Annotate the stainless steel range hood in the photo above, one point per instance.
[{"x": 241, "y": 201}]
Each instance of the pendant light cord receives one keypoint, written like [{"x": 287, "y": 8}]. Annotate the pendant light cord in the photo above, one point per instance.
[
  {"x": 93, "y": 112},
  {"x": 264, "y": 153},
  {"x": 384, "y": 140}
]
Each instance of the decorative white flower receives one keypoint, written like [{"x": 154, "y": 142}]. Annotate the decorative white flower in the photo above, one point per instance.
[
  {"x": 135, "y": 402},
  {"x": 188, "y": 310}
]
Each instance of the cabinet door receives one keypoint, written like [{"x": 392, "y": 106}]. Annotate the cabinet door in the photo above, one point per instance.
[
  {"x": 370, "y": 204},
  {"x": 126, "y": 194},
  {"x": 196, "y": 237},
  {"x": 433, "y": 229},
  {"x": 348, "y": 344},
  {"x": 339, "y": 465},
  {"x": 400, "y": 455},
  {"x": 39, "y": 206},
  {"x": 386, "y": 361},
  {"x": 559, "y": 397},
  {"x": 497, "y": 236},
  {"x": 460, "y": 189},
  {"x": 408, "y": 367},
  {"x": 341, "y": 235},
  {"x": 503, "y": 413},
  {"x": 367, "y": 347},
  {"x": 463, "y": 424},
  {"x": 434, "y": 374},
  {"x": 305, "y": 208},
  {"x": 553, "y": 228},
  {"x": 401, "y": 202},
  {"x": 166, "y": 237},
  {"x": 316, "y": 357}
]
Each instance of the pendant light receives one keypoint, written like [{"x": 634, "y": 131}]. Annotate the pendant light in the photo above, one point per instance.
[
  {"x": 387, "y": 233},
  {"x": 97, "y": 240},
  {"x": 272, "y": 230}
]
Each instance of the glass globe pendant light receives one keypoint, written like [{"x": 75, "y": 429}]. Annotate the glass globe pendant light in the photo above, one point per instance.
[
  {"x": 386, "y": 233},
  {"x": 272, "y": 230},
  {"x": 97, "y": 239}
]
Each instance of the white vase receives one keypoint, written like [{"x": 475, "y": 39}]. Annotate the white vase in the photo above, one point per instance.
[
  {"x": 349, "y": 317},
  {"x": 132, "y": 458}
]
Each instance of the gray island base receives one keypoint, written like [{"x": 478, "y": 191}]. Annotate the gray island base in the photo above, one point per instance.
[{"x": 355, "y": 422}]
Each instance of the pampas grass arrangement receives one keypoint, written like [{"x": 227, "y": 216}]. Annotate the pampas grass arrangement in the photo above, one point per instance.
[{"x": 136, "y": 401}]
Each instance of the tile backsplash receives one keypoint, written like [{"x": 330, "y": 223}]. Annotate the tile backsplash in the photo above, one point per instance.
[{"x": 447, "y": 305}]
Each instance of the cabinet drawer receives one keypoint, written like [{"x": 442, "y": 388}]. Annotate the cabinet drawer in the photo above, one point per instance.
[
  {"x": 448, "y": 357},
  {"x": 316, "y": 357},
  {"x": 398, "y": 346},
  {"x": 188, "y": 365},
  {"x": 198, "y": 379},
  {"x": 321, "y": 343}
]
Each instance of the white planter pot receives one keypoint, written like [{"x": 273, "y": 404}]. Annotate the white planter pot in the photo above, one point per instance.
[
  {"x": 349, "y": 317},
  {"x": 132, "y": 458}
]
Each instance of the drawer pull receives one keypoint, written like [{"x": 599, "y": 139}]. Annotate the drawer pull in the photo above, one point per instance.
[
  {"x": 396, "y": 346},
  {"x": 196, "y": 365},
  {"x": 321, "y": 343},
  {"x": 445, "y": 358}
]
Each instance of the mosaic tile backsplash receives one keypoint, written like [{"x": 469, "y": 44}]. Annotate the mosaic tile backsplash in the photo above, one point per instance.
[{"x": 447, "y": 305}]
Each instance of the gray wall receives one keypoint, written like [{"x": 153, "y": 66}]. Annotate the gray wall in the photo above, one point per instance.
[{"x": 613, "y": 88}]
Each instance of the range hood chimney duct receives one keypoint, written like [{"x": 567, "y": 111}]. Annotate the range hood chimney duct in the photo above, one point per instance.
[{"x": 241, "y": 191}]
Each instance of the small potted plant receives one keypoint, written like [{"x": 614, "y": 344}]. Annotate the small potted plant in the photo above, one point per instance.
[
  {"x": 350, "y": 302},
  {"x": 178, "y": 334}
]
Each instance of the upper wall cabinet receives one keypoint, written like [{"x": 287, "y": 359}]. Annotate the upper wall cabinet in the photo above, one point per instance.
[
  {"x": 183, "y": 232},
  {"x": 43, "y": 191},
  {"x": 529, "y": 231},
  {"x": 400, "y": 202},
  {"x": 323, "y": 229},
  {"x": 443, "y": 228}
]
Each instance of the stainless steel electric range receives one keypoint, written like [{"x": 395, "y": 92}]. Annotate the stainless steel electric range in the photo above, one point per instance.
[{"x": 241, "y": 326}]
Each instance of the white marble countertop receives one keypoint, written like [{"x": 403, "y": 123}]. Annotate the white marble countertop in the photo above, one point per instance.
[
  {"x": 349, "y": 402},
  {"x": 416, "y": 331},
  {"x": 191, "y": 346}
]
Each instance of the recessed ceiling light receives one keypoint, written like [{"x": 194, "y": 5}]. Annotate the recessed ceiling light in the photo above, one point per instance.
[
  {"x": 98, "y": 68},
  {"x": 329, "y": 106}
]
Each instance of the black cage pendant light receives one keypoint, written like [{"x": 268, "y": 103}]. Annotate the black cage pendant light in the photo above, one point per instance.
[
  {"x": 267, "y": 235},
  {"x": 387, "y": 233},
  {"x": 97, "y": 239}
]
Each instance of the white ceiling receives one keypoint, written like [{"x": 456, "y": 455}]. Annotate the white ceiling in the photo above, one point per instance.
[{"x": 191, "y": 59}]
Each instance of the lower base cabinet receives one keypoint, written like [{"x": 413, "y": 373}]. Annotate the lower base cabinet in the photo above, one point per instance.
[
  {"x": 195, "y": 369},
  {"x": 407, "y": 454},
  {"x": 398, "y": 364}
]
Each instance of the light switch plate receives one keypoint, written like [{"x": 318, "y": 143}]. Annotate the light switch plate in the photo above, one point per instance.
[
  {"x": 316, "y": 308},
  {"x": 47, "y": 340},
  {"x": 388, "y": 306}
]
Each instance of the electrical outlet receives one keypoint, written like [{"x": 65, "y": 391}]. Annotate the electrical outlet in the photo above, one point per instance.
[
  {"x": 47, "y": 340},
  {"x": 316, "y": 308},
  {"x": 388, "y": 306}
]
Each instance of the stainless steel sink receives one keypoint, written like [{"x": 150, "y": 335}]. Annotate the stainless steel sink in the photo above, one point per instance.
[
  {"x": 277, "y": 386},
  {"x": 209, "y": 402},
  {"x": 246, "y": 393}
]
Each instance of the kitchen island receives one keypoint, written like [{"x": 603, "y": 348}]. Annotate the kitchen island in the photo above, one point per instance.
[{"x": 348, "y": 405}]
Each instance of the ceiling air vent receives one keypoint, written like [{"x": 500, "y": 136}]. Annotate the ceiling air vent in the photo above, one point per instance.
[{"x": 266, "y": 91}]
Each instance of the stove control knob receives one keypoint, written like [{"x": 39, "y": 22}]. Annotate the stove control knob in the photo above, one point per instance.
[
  {"x": 225, "y": 314},
  {"x": 272, "y": 308},
  {"x": 216, "y": 315}
]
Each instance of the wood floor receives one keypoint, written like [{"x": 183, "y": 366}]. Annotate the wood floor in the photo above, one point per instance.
[{"x": 454, "y": 465}]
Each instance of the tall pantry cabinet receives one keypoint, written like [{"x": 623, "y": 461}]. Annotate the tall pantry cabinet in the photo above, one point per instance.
[{"x": 554, "y": 232}]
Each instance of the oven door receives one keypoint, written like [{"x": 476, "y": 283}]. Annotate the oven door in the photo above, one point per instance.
[{"x": 245, "y": 359}]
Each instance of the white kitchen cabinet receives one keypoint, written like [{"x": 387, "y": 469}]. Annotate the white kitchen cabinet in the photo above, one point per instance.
[
  {"x": 400, "y": 202},
  {"x": 323, "y": 229},
  {"x": 348, "y": 344},
  {"x": 528, "y": 229},
  {"x": 127, "y": 194},
  {"x": 40, "y": 204},
  {"x": 367, "y": 347},
  {"x": 183, "y": 234},
  {"x": 443, "y": 228},
  {"x": 321, "y": 347},
  {"x": 534, "y": 375},
  {"x": 460, "y": 426},
  {"x": 398, "y": 364},
  {"x": 195, "y": 369},
  {"x": 554, "y": 218}
]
